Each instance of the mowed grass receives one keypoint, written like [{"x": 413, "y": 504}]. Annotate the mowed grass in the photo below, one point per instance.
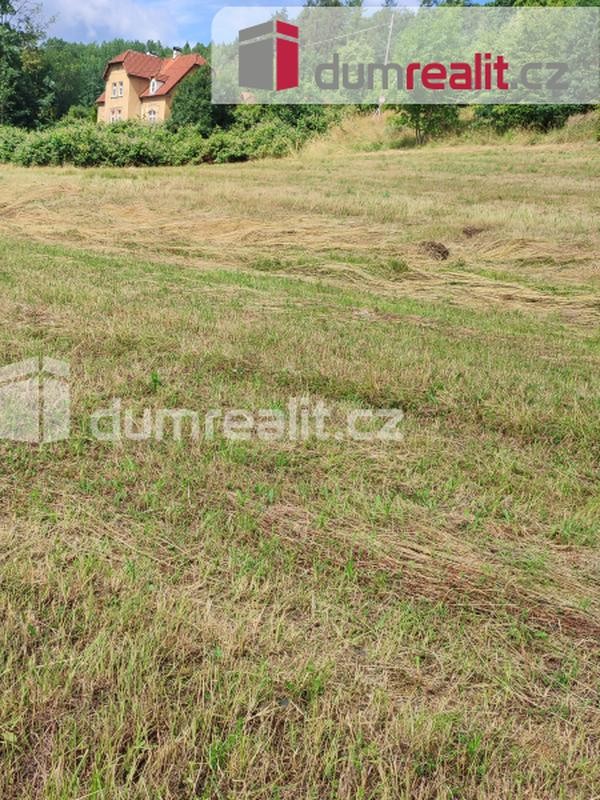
[{"x": 310, "y": 619}]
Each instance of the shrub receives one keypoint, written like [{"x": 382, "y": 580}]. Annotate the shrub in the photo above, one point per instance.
[
  {"x": 128, "y": 144},
  {"x": 503, "y": 118},
  {"x": 428, "y": 121},
  {"x": 79, "y": 114},
  {"x": 271, "y": 138},
  {"x": 10, "y": 139},
  {"x": 79, "y": 144},
  {"x": 187, "y": 146}
]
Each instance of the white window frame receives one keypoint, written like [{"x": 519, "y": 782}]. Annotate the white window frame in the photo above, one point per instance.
[
  {"x": 152, "y": 116},
  {"x": 121, "y": 89},
  {"x": 116, "y": 115},
  {"x": 114, "y": 89}
]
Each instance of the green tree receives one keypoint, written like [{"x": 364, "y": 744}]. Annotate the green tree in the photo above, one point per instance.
[
  {"x": 192, "y": 104},
  {"x": 25, "y": 91},
  {"x": 428, "y": 121},
  {"x": 65, "y": 65}
]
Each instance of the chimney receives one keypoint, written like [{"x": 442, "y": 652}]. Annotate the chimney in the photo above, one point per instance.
[{"x": 176, "y": 52}]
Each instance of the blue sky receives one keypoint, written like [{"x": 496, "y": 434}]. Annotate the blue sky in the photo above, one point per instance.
[{"x": 172, "y": 21}]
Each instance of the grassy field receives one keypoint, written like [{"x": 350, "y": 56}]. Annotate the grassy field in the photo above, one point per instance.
[{"x": 329, "y": 620}]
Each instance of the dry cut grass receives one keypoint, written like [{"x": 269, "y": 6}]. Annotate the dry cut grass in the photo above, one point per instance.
[{"x": 312, "y": 619}]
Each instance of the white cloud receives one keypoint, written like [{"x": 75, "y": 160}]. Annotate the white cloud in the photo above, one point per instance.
[
  {"x": 96, "y": 20},
  {"x": 229, "y": 20},
  {"x": 171, "y": 21}
]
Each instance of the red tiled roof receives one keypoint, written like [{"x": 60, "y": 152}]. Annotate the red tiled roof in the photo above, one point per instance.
[
  {"x": 172, "y": 71},
  {"x": 140, "y": 65},
  {"x": 168, "y": 71}
]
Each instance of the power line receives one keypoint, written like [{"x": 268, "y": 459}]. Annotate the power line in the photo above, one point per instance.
[
  {"x": 343, "y": 36},
  {"x": 387, "y": 56}
]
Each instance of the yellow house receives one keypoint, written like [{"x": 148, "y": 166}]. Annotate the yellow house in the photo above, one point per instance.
[{"x": 142, "y": 86}]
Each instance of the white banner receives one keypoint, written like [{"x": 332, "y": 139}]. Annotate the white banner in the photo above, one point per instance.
[{"x": 406, "y": 55}]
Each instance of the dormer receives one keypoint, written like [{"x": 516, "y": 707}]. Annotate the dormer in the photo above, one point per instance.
[{"x": 155, "y": 85}]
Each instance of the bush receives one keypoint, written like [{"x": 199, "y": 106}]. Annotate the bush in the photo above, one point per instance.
[
  {"x": 427, "y": 121},
  {"x": 503, "y": 118},
  {"x": 80, "y": 145},
  {"x": 128, "y": 144},
  {"x": 10, "y": 139},
  {"x": 79, "y": 114}
]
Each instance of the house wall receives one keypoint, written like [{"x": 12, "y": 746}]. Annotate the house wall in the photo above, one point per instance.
[
  {"x": 162, "y": 106},
  {"x": 129, "y": 104}
]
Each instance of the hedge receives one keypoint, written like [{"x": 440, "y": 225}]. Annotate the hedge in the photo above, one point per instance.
[{"x": 126, "y": 144}]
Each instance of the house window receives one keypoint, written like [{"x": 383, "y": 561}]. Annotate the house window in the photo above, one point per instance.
[
  {"x": 115, "y": 114},
  {"x": 153, "y": 86},
  {"x": 120, "y": 88},
  {"x": 152, "y": 115},
  {"x": 114, "y": 90}
]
